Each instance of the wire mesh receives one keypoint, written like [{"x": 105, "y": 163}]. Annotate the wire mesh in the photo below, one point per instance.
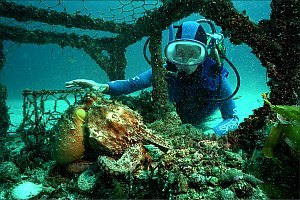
[
  {"x": 130, "y": 11},
  {"x": 41, "y": 111},
  {"x": 119, "y": 11}
]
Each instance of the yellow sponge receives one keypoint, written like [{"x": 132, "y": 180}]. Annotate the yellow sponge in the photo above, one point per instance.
[{"x": 80, "y": 113}]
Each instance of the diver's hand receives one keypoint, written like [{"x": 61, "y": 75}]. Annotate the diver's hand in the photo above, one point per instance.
[{"x": 83, "y": 83}]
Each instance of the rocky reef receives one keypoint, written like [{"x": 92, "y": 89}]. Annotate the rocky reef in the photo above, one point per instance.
[
  {"x": 102, "y": 149},
  {"x": 120, "y": 156},
  {"x": 174, "y": 173}
]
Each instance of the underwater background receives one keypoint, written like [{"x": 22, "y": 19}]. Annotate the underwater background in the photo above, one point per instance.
[
  {"x": 39, "y": 67},
  {"x": 198, "y": 166}
]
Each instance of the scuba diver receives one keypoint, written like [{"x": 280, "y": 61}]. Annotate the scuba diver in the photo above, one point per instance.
[{"x": 197, "y": 84}]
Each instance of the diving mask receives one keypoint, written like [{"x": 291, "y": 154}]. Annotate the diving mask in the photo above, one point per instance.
[{"x": 186, "y": 52}]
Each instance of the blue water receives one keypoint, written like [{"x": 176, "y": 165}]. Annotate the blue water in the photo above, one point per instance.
[{"x": 49, "y": 66}]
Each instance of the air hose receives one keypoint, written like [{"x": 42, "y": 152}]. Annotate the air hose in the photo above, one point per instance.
[
  {"x": 145, "y": 51},
  {"x": 238, "y": 80}
]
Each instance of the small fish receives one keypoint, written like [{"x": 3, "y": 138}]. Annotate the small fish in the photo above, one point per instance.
[
  {"x": 237, "y": 97},
  {"x": 72, "y": 60}
]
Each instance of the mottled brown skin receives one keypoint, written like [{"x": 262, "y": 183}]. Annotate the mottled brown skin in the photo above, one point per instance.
[
  {"x": 113, "y": 129},
  {"x": 119, "y": 134}
]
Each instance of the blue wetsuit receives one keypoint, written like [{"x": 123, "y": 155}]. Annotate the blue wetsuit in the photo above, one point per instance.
[{"x": 191, "y": 94}]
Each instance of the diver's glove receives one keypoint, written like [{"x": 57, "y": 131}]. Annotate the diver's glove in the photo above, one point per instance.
[
  {"x": 83, "y": 83},
  {"x": 226, "y": 126}
]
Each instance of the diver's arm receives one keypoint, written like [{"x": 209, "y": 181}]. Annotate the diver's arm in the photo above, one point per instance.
[
  {"x": 228, "y": 111},
  {"x": 128, "y": 86}
]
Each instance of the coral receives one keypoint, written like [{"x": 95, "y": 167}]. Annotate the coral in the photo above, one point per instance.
[
  {"x": 280, "y": 175},
  {"x": 144, "y": 104},
  {"x": 234, "y": 175},
  {"x": 270, "y": 41},
  {"x": 120, "y": 190},
  {"x": 9, "y": 171},
  {"x": 78, "y": 167},
  {"x": 178, "y": 134},
  {"x": 26, "y": 190},
  {"x": 133, "y": 160},
  {"x": 4, "y": 117},
  {"x": 205, "y": 172},
  {"x": 87, "y": 180},
  {"x": 249, "y": 134},
  {"x": 227, "y": 194}
]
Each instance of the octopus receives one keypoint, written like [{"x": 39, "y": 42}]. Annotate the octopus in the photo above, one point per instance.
[{"x": 108, "y": 127}]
